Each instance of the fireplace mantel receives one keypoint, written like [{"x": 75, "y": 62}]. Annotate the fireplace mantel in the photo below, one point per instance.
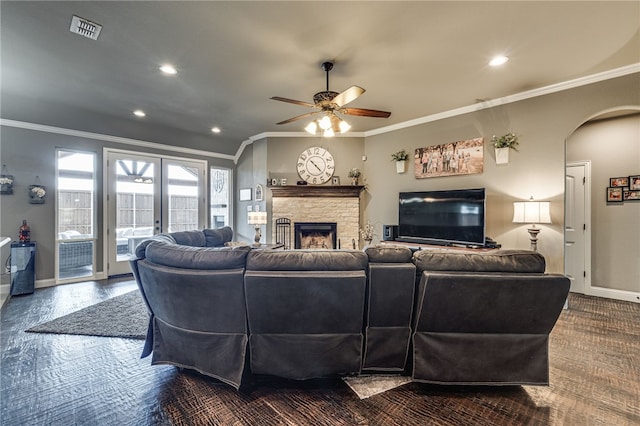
[{"x": 333, "y": 191}]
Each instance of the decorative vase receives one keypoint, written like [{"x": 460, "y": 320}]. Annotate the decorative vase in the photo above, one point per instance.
[
  {"x": 400, "y": 166},
  {"x": 354, "y": 181},
  {"x": 502, "y": 155}
]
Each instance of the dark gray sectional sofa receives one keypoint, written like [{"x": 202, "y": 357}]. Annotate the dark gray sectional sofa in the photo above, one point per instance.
[{"x": 440, "y": 316}]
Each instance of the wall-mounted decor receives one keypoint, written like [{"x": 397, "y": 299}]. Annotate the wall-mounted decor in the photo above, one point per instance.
[
  {"x": 502, "y": 146},
  {"x": 258, "y": 192},
  {"x": 623, "y": 188},
  {"x": 400, "y": 158},
  {"x": 6, "y": 181},
  {"x": 619, "y": 181},
  {"x": 632, "y": 195},
  {"x": 450, "y": 159},
  {"x": 37, "y": 194},
  {"x": 614, "y": 194},
  {"x": 245, "y": 194}
]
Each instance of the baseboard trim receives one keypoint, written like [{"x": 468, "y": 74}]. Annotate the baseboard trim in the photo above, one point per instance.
[{"x": 612, "y": 293}]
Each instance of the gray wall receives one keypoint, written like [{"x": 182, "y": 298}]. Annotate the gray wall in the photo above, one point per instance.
[
  {"x": 613, "y": 148},
  {"x": 537, "y": 170},
  {"x": 28, "y": 153}
]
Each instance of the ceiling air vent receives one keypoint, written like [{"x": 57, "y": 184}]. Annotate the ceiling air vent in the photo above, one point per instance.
[{"x": 85, "y": 28}]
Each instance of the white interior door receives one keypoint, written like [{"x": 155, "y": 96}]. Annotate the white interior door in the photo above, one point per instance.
[{"x": 577, "y": 262}]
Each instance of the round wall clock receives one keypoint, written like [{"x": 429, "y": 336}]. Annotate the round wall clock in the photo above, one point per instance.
[{"x": 315, "y": 165}]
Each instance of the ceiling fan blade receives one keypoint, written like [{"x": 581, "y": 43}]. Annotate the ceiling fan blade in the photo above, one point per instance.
[
  {"x": 292, "y": 101},
  {"x": 309, "y": 114},
  {"x": 349, "y": 95},
  {"x": 363, "y": 112}
]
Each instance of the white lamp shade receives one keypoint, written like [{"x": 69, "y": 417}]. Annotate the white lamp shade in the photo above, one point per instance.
[
  {"x": 257, "y": 218},
  {"x": 531, "y": 212},
  {"x": 311, "y": 128}
]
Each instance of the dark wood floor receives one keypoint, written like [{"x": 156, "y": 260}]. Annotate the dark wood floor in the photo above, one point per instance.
[{"x": 49, "y": 379}]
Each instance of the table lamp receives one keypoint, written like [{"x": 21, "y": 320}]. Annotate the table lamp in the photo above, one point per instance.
[
  {"x": 256, "y": 219},
  {"x": 532, "y": 212}
]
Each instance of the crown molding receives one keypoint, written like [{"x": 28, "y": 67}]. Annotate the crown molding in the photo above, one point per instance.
[
  {"x": 109, "y": 138},
  {"x": 546, "y": 90}
]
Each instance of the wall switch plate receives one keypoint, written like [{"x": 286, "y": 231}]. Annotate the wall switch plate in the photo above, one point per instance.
[
  {"x": 364, "y": 158},
  {"x": 249, "y": 208}
]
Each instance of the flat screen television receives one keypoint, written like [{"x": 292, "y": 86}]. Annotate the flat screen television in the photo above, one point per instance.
[{"x": 442, "y": 217}]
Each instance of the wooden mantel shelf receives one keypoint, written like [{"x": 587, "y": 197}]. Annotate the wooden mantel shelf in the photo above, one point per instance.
[{"x": 332, "y": 191}]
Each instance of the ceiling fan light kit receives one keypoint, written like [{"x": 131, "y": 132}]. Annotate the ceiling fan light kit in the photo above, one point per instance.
[{"x": 329, "y": 104}]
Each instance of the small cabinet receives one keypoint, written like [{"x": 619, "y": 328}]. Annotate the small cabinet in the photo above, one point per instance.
[{"x": 23, "y": 268}]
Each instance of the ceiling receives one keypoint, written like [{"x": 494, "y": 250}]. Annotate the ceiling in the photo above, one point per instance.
[{"x": 414, "y": 59}]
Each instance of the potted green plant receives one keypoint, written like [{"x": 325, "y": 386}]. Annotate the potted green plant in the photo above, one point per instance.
[
  {"x": 400, "y": 158},
  {"x": 502, "y": 146},
  {"x": 354, "y": 174}
]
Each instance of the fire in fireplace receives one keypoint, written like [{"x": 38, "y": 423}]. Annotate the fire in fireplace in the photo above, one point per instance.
[{"x": 315, "y": 235}]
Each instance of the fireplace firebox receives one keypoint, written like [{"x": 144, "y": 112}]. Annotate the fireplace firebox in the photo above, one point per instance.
[{"x": 315, "y": 235}]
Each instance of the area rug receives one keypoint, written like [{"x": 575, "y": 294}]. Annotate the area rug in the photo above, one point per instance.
[
  {"x": 123, "y": 316},
  {"x": 366, "y": 386}
]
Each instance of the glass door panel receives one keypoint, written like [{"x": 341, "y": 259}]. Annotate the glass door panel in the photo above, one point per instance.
[{"x": 134, "y": 206}]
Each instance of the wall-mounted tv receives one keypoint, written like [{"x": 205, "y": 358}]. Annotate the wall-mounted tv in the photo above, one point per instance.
[{"x": 442, "y": 217}]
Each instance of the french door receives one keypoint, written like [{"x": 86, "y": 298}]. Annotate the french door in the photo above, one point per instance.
[{"x": 147, "y": 195}]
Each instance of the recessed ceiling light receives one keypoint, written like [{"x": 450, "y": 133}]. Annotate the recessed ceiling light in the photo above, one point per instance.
[
  {"x": 215, "y": 129},
  {"x": 139, "y": 113},
  {"x": 168, "y": 69},
  {"x": 498, "y": 60}
]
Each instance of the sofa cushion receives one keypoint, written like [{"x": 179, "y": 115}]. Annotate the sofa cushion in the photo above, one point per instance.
[
  {"x": 387, "y": 254},
  {"x": 189, "y": 238},
  {"x": 522, "y": 261},
  {"x": 217, "y": 237},
  {"x": 142, "y": 246},
  {"x": 187, "y": 257},
  {"x": 306, "y": 260}
]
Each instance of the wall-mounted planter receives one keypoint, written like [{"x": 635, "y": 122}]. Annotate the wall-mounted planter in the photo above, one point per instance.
[
  {"x": 401, "y": 166},
  {"x": 502, "y": 155}
]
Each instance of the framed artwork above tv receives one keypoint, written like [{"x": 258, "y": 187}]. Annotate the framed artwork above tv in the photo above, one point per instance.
[{"x": 450, "y": 159}]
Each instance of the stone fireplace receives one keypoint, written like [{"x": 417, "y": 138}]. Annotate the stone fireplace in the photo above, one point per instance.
[
  {"x": 315, "y": 235},
  {"x": 319, "y": 204}
]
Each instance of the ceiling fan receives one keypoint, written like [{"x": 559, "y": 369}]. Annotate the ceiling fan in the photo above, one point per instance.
[{"x": 329, "y": 103}]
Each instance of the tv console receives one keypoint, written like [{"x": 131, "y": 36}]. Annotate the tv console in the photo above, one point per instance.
[{"x": 420, "y": 246}]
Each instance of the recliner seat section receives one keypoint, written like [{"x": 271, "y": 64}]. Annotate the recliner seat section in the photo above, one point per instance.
[
  {"x": 304, "y": 309},
  {"x": 390, "y": 299},
  {"x": 487, "y": 327}
]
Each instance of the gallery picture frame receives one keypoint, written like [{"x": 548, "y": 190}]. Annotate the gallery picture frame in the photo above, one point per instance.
[
  {"x": 634, "y": 183},
  {"x": 258, "y": 192},
  {"x": 614, "y": 194},
  {"x": 631, "y": 195},
  {"x": 619, "y": 181},
  {"x": 245, "y": 194}
]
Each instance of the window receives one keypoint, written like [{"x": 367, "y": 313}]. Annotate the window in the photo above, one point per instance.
[
  {"x": 219, "y": 199},
  {"x": 75, "y": 221}
]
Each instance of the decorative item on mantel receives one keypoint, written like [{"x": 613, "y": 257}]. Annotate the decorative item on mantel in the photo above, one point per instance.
[
  {"x": 502, "y": 145},
  {"x": 37, "y": 192},
  {"x": 6, "y": 181},
  {"x": 354, "y": 174},
  {"x": 400, "y": 158},
  {"x": 366, "y": 233}
]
